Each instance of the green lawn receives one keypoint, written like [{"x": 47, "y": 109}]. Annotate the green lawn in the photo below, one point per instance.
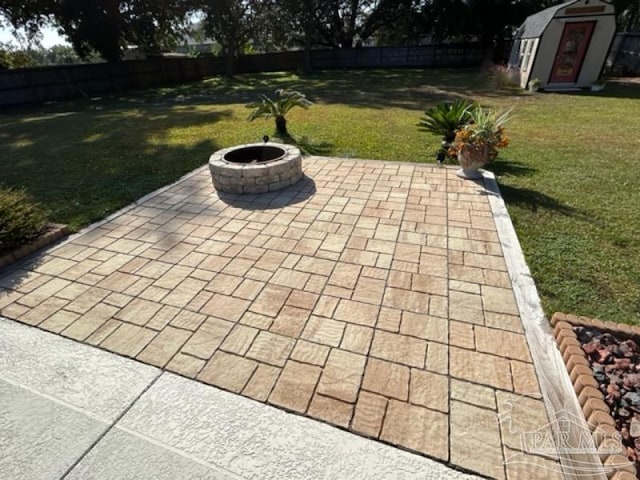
[{"x": 570, "y": 176}]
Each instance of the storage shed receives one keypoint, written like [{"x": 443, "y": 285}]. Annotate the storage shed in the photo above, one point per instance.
[{"x": 564, "y": 46}]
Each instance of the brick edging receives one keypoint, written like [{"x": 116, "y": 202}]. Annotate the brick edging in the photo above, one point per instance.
[
  {"x": 55, "y": 232},
  {"x": 596, "y": 411}
]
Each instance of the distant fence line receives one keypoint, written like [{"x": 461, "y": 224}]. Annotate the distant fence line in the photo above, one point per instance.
[
  {"x": 624, "y": 57},
  {"x": 41, "y": 84}
]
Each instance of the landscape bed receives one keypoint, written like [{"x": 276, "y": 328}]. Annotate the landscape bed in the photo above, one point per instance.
[{"x": 603, "y": 361}]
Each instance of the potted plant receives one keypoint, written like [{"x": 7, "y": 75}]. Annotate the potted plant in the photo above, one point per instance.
[
  {"x": 444, "y": 119},
  {"x": 477, "y": 143},
  {"x": 278, "y": 108}
]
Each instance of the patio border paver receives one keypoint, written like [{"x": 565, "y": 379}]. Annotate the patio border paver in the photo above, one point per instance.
[{"x": 556, "y": 386}]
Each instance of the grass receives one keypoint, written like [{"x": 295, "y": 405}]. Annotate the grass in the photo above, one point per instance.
[{"x": 569, "y": 176}]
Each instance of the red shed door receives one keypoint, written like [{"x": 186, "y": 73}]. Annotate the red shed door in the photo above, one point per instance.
[{"x": 571, "y": 52}]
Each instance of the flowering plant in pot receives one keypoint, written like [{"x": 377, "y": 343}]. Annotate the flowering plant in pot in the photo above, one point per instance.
[{"x": 477, "y": 143}]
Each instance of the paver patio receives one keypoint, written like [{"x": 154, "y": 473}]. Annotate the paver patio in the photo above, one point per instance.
[{"x": 373, "y": 296}]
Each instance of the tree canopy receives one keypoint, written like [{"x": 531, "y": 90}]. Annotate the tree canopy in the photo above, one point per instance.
[
  {"x": 103, "y": 26},
  {"x": 109, "y": 26}
]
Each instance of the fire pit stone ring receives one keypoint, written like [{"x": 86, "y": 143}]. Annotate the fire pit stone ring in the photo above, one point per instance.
[{"x": 255, "y": 168}]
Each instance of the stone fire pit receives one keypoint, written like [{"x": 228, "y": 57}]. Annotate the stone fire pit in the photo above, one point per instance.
[{"x": 255, "y": 168}]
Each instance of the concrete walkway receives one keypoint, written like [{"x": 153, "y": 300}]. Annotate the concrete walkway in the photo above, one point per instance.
[
  {"x": 75, "y": 412},
  {"x": 372, "y": 296}
]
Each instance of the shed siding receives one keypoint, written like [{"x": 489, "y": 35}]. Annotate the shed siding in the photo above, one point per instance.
[{"x": 544, "y": 30}]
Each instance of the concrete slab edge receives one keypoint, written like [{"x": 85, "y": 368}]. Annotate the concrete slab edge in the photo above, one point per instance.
[{"x": 555, "y": 384}]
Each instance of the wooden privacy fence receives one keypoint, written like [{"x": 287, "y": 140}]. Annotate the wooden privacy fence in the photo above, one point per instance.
[{"x": 41, "y": 84}]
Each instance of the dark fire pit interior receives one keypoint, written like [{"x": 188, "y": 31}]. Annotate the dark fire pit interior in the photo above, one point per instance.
[{"x": 255, "y": 154}]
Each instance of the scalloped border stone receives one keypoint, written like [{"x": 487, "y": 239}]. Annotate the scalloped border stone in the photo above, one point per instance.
[
  {"x": 595, "y": 410},
  {"x": 256, "y": 178},
  {"x": 55, "y": 231}
]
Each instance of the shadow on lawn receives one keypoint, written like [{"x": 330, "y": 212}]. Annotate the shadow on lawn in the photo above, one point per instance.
[
  {"x": 88, "y": 163},
  {"x": 505, "y": 167},
  {"x": 616, "y": 88},
  {"x": 305, "y": 144},
  {"x": 370, "y": 88},
  {"x": 526, "y": 198},
  {"x": 534, "y": 201}
]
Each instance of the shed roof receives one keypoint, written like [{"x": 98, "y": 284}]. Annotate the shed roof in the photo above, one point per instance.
[{"x": 535, "y": 24}]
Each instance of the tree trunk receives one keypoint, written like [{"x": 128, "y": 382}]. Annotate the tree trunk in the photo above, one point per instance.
[
  {"x": 281, "y": 125},
  {"x": 229, "y": 61},
  {"x": 307, "y": 53},
  {"x": 308, "y": 33}
]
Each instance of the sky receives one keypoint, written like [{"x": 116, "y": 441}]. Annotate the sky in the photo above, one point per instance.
[{"x": 50, "y": 37}]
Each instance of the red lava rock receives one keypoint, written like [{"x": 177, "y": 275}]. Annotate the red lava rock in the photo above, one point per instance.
[
  {"x": 629, "y": 347},
  {"x": 616, "y": 367},
  {"x": 632, "y": 380},
  {"x": 610, "y": 368},
  {"x": 622, "y": 363},
  {"x": 602, "y": 355},
  {"x": 590, "y": 348},
  {"x": 613, "y": 390},
  {"x": 634, "y": 427}
]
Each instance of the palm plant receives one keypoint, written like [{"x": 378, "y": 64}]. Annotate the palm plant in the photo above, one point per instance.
[
  {"x": 445, "y": 118},
  {"x": 279, "y": 107}
]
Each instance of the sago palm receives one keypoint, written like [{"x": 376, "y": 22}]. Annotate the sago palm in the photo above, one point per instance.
[
  {"x": 279, "y": 107},
  {"x": 445, "y": 118}
]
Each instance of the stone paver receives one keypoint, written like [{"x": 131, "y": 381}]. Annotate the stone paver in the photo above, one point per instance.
[{"x": 372, "y": 296}]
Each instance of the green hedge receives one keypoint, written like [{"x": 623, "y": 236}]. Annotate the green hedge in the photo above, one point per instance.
[{"x": 21, "y": 219}]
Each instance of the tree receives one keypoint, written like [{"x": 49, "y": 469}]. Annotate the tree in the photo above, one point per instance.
[
  {"x": 229, "y": 22},
  {"x": 399, "y": 22},
  {"x": 489, "y": 21},
  {"x": 298, "y": 19},
  {"x": 341, "y": 23},
  {"x": 105, "y": 26},
  {"x": 11, "y": 57},
  {"x": 627, "y": 15}
]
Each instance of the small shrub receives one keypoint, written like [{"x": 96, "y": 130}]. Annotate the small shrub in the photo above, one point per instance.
[{"x": 21, "y": 219}]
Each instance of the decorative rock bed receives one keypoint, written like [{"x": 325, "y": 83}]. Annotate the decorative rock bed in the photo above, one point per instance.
[
  {"x": 255, "y": 168},
  {"x": 603, "y": 360}
]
